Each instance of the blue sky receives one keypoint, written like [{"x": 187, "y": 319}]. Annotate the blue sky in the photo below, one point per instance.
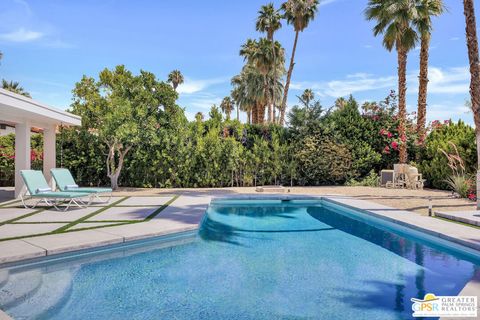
[{"x": 49, "y": 44}]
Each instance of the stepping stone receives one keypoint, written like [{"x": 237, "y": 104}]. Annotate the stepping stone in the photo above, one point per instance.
[
  {"x": 145, "y": 201},
  {"x": 124, "y": 213}
]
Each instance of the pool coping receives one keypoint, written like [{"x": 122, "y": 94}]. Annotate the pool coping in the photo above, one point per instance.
[{"x": 449, "y": 231}]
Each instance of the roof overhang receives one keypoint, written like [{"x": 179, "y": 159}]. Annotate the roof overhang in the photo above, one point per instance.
[{"x": 15, "y": 108}]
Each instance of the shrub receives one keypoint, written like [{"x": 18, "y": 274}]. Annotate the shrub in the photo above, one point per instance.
[
  {"x": 323, "y": 161},
  {"x": 372, "y": 180},
  {"x": 435, "y": 165},
  {"x": 460, "y": 184}
]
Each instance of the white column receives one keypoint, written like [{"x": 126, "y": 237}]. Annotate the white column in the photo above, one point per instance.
[
  {"x": 22, "y": 154},
  {"x": 49, "y": 153}
]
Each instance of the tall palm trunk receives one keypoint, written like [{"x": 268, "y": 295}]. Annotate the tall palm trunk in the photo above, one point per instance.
[
  {"x": 238, "y": 114},
  {"x": 402, "y": 105},
  {"x": 472, "y": 44},
  {"x": 422, "y": 89},
  {"x": 254, "y": 113},
  {"x": 267, "y": 95},
  {"x": 274, "y": 78},
  {"x": 287, "y": 83},
  {"x": 260, "y": 112}
]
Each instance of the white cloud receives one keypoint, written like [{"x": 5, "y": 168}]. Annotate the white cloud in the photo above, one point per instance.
[
  {"x": 21, "y": 35},
  {"x": 449, "y": 110},
  {"x": 442, "y": 81},
  {"x": 325, "y": 2},
  {"x": 192, "y": 86}
]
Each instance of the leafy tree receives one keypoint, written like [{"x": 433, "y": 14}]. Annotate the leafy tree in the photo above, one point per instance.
[
  {"x": 175, "y": 78},
  {"x": 15, "y": 87},
  {"x": 426, "y": 9},
  {"x": 298, "y": 13},
  {"x": 395, "y": 20},
  {"x": 123, "y": 110}
]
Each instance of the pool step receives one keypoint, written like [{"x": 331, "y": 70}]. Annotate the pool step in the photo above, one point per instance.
[
  {"x": 55, "y": 290},
  {"x": 19, "y": 287},
  {"x": 4, "y": 275}
]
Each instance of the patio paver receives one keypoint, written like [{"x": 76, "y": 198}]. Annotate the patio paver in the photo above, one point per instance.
[
  {"x": 124, "y": 213},
  {"x": 145, "y": 201},
  {"x": 12, "y": 213},
  {"x": 64, "y": 242},
  {"x": 15, "y": 250},
  {"x": 19, "y": 230}
]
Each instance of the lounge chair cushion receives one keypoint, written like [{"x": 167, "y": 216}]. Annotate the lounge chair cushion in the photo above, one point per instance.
[
  {"x": 65, "y": 182},
  {"x": 61, "y": 195}
]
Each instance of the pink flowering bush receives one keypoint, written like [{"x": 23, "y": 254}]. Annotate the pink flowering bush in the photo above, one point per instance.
[{"x": 7, "y": 157}]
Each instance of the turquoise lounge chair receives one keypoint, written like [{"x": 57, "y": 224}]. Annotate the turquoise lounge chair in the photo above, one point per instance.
[
  {"x": 66, "y": 183},
  {"x": 38, "y": 188}
]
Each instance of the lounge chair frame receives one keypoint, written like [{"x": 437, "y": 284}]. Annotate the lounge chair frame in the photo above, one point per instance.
[{"x": 55, "y": 202}]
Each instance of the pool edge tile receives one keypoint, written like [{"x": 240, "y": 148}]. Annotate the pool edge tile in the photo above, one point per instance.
[
  {"x": 18, "y": 250},
  {"x": 148, "y": 231}
]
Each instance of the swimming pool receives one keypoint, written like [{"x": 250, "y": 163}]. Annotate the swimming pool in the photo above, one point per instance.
[{"x": 251, "y": 259}]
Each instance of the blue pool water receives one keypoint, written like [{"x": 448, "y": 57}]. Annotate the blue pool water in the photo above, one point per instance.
[{"x": 250, "y": 260}]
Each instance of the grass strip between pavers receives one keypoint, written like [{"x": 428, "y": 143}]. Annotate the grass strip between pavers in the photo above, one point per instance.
[
  {"x": 160, "y": 209},
  {"x": 88, "y": 216}
]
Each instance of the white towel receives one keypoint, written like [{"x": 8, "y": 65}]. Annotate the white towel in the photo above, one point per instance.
[
  {"x": 43, "y": 190},
  {"x": 71, "y": 186}
]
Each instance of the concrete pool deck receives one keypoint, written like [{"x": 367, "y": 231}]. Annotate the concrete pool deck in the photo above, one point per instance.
[{"x": 94, "y": 227}]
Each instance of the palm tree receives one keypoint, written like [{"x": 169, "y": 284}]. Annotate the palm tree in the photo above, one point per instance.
[
  {"x": 176, "y": 78},
  {"x": 472, "y": 44},
  {"x": 15, "y": 87},
  {"x": 395, "y": 21},
  {"x": 269, "y": 21},
  {"x": 426, "y": 9},
  {"x": 199, "y": 117},
  {"x": 306, "y": 97},
  {"x": 227, "y": 106},
  {"x": 259, "y": 56},
  {"x": 298, "y": 13},
  {"x": 340, "y": 103}
]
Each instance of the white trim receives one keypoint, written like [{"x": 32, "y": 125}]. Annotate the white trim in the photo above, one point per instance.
[{"x": 16, "y": 107}]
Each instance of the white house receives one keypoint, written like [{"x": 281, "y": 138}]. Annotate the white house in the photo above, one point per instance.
[{"x": 24, "y": 114}]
